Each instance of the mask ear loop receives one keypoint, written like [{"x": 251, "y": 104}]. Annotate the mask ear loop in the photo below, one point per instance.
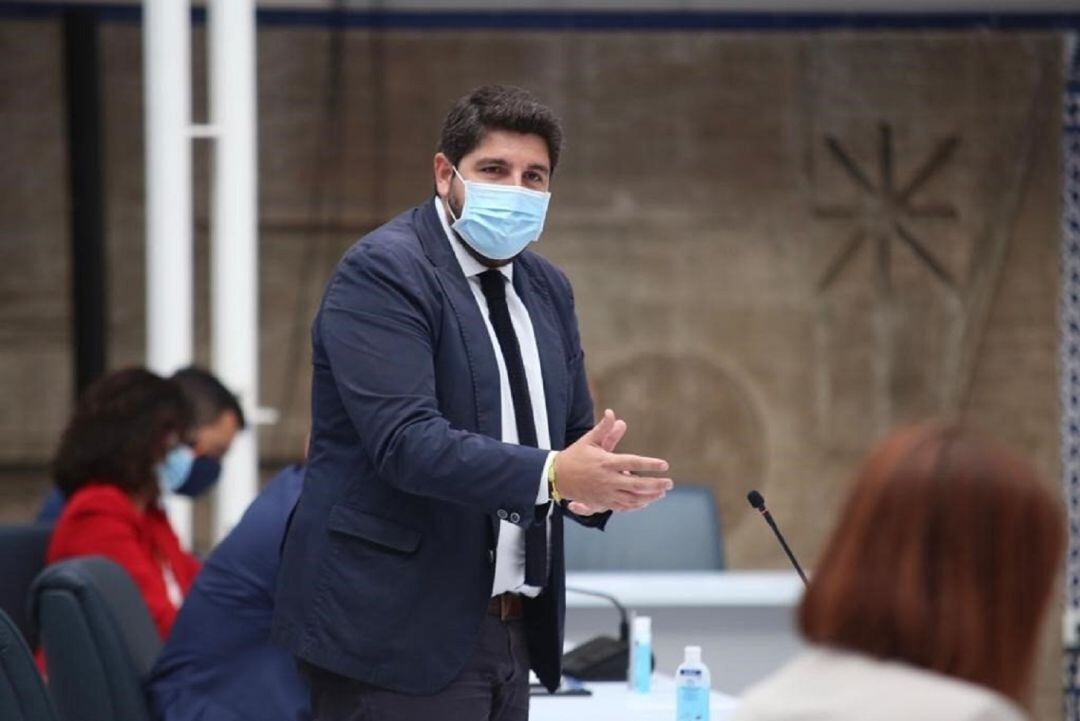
[{"x": 449, "y": 208}]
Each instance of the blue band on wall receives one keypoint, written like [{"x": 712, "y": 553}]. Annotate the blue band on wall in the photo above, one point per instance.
[{"x": 592, "y": 20}]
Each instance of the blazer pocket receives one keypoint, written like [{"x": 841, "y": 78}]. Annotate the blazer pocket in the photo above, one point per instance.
[{"x": 380, "y": 531}]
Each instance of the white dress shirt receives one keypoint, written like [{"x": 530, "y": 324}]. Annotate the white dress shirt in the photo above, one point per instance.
[{"x": 510, "y": 553}]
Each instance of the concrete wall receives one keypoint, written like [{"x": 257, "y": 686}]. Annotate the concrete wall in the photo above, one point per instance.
[{"x": 703, "y": 210}]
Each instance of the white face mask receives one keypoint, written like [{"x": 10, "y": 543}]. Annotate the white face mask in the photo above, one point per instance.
[{"x": 499, "y": 221}]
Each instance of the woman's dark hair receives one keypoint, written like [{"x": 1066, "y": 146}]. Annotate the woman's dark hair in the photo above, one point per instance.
[
  {"x": 498, "y": 107},
  {"x": 944, "y": 558},
  {"x": 120, "y": 432}
]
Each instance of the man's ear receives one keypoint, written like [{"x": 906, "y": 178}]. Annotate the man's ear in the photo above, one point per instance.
[{"x": 444, "y": 174}]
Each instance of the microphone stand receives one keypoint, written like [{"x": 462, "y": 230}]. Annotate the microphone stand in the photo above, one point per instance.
[
  {"x": 757, "y": 501},
  {"x": 624, "y": 623}
]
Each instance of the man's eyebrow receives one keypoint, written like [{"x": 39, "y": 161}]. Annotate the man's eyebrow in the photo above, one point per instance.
[{"x": 499, "y": 161}]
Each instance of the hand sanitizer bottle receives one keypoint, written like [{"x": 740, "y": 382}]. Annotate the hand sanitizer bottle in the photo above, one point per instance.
[
  {"x": 692, "y": 687},
  {"x": 641, "y": 655}
]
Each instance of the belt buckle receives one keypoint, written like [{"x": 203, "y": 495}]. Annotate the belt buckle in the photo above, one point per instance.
[
  {"x": 510, "y": 606},
  {"x": 505, "y": 609}
]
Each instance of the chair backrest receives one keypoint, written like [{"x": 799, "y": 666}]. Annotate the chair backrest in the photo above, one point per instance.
[
  {"x": 22, "y": 556},
  {"x": 679, "y": 533},
  {"x": 22, "y": 693},
  {"x": 100, "y": 642}
]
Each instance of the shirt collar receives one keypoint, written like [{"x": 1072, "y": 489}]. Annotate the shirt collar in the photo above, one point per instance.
[{"x": 470, "y": 266}]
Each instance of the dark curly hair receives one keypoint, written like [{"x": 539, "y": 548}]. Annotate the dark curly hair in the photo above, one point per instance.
[
  {"x": 498, "y": 107},
  {"x": 120, "y": 431}
]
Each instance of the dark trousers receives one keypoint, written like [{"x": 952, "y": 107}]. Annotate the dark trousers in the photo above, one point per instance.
[{"x": 493, "y": 686}]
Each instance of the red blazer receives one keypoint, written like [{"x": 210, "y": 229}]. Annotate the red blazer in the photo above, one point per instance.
[{"x": 102, "y": 520}]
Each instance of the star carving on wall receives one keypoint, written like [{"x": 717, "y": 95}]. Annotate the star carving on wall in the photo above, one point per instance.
[{"x": 885, "y": 210}]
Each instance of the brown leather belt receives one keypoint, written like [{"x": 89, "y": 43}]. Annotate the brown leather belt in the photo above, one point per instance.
[{"x": 507, "y": 606}]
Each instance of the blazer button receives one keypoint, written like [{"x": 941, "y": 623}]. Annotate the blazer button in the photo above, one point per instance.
[
  {"x": 491, "y": 556},
  {"x": 502, "y": 514},
  {"x": 514, "y": 517}
]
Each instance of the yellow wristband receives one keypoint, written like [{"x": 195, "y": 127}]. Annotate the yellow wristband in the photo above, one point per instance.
[{"x": 553, "y": 490}]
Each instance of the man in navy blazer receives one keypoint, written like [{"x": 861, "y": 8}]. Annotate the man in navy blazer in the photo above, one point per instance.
[
  {"x": 218, "y": 663},
  {"x": 452, "y": 432}
]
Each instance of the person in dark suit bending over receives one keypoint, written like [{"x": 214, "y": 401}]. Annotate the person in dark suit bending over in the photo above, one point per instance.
[{"x": 452, "y": 433}]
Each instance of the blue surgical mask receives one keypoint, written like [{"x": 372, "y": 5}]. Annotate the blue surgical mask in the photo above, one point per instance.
[
  {"x": 499, "y": 221},
  {"x": 204, "y": 473},
  {"x": 174, "y": 470}
]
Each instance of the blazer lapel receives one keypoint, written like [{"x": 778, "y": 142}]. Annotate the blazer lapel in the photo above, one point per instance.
[
  {"x": 474, "y": 336},
  {"x": 535, "y": 296}
]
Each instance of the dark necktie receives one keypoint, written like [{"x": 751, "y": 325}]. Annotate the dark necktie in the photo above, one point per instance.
[{"x": 493, "y": 283}]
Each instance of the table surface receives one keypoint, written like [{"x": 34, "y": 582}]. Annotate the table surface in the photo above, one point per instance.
[
  {"x": 677, "y": 588},
  {"x": 615, "y": 702}
]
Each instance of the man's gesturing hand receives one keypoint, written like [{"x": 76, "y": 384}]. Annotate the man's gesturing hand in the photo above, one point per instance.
[
  {"x": 595, "y": 478},
  {"x": 608, "y": 443}
]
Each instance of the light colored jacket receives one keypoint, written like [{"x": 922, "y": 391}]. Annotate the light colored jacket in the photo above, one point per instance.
[{"x": 822, "y": 685}]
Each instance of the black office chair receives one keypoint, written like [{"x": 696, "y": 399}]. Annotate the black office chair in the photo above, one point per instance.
[
  {"x": 22, "y": 694},
  {"x": 100, "y": 642},
  {"x": 22, "y": 550},
  {"x": 679, "y": 533}
]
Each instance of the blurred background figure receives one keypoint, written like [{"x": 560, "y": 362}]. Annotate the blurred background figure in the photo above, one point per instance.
[
  {"x": 929, "y": 598},
  {"x": 216, "y": 418},
  {"x": 235, "y": 672},
  {"x": 121, "y": 449}
]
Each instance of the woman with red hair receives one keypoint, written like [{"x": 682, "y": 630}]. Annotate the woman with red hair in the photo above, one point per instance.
[{"x": 928, "y": 601}]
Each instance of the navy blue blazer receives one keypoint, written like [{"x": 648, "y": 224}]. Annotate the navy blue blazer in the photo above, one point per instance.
[
  {"x": 219, "y": 663},
  {"x": 388, "y": 564}
]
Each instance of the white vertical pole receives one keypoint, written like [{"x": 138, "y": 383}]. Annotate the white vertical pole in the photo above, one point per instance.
[
  {"x": 234, "y": 266},
  {"x": 167, "y": 98}
]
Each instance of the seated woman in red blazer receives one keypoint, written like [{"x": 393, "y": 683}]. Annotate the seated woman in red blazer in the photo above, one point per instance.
[{"x": 121, "y": 448}]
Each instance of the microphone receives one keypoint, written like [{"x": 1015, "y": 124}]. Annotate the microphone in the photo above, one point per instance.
[
  {"x": 758, "y": 502},
  {"x": 602, "y": 658}
]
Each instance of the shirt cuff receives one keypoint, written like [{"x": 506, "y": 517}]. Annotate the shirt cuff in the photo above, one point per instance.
[{"x": 544, "y": 496}]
